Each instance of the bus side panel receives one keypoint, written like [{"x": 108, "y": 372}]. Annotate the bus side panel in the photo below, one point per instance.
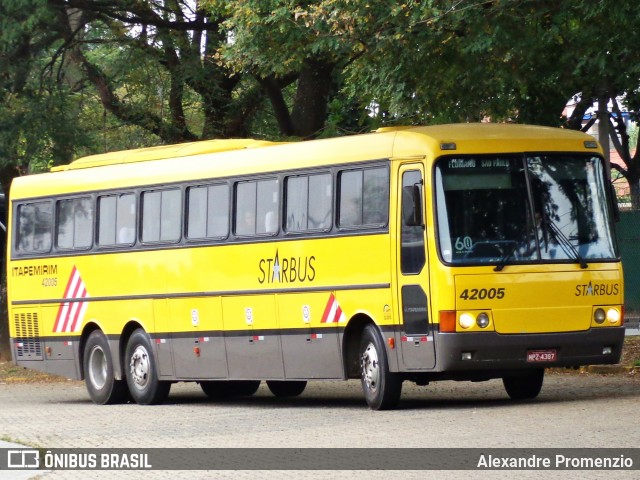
[
  {"x": 197, "y": 341},
  {"x": 32, "y": 349},
  {"x": 309, "y": 345},
  {"x": 251, "y": 337}
]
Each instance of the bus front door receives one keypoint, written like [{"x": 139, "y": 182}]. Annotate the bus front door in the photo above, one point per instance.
[{"x": 416, "y": 332}]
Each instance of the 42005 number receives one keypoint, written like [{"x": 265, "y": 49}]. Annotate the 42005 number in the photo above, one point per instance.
[{"x": 482, "y": 293}]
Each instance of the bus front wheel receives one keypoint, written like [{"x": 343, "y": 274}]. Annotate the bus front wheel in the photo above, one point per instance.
[
  {"x": 381, "y": 387},
  {"x": 525, "y": 386},
  {"x": 97, "y": 362},
  {"x": 142, "y": 376}
]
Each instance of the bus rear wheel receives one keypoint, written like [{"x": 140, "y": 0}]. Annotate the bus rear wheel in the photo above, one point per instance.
[
  {"x": 286, "y": 388},
  {"x": 99, "y": 377},
  {"x": 142, "y": 376},
  {"x": 525, "y": 386},
  {"x": 221, "y": 389},
  {"x": 381, "y": 387}
]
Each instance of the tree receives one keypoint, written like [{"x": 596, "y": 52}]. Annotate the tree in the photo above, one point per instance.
[
  {"x": 517, "y": 60},
  {"x": 36, "y": 115},
  {"x": 174, "y": 44}
]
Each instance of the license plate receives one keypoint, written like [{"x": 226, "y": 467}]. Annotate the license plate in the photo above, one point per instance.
[{"x": 541, "y": 356}]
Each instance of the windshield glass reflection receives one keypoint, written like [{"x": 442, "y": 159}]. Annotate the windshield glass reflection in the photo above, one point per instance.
[{"x": 523, "y": 209}]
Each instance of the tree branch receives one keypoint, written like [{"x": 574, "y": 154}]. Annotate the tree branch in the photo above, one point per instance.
[{"x": 132, "y": 12}]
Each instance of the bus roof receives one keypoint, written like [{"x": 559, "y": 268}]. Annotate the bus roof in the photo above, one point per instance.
[
  {"x": 225, "y": 158},
  {"x": 162, "y": 152}
]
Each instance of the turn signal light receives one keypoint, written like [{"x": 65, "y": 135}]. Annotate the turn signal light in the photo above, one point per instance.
[{"x": 447, "y": 321}]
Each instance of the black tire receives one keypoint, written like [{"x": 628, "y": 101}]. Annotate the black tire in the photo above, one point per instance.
[
  {"x": 142, "y": 374},
  {"x": 525, "y": 386},
  {"x": 381, "y": 387},
  {"x": 286, "y": 388},
  {"x": 222, "y": 389},
  {"x": 99, "y": 378}
]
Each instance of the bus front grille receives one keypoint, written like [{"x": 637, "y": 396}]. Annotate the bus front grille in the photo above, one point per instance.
[{"x": 27, "y": 340}]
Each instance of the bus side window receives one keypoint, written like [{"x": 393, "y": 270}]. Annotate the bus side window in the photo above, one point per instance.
[
  {"x": 126, "y": 219},
  {"x": 412, "y": 254},
  {"x": 245, "y": 208},
  {"x": 350, "y": 203},
  {"x": 34, "y": 227},
  {"x": 320, "y": 197},
  {"x": 74, "y": 227},
  {"x": 117, "y": 219},
  {"x": 308, "y": 202},
  {"x": 161, "y": 215},
  {"x": 208, "y": 212},
  {"x": 256, "y": 207},
  {"x": 364, "y": 197},
  {"x": 267, "y": 207},
  {"x": 296, "y": 203}
]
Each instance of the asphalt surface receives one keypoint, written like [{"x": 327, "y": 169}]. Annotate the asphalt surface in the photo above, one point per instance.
[{"x": 573, "y": 410}]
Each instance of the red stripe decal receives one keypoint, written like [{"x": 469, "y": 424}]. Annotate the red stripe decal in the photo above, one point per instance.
[
  {"x": 66, "y": 295},
  {"x": 327, "y": 309}
]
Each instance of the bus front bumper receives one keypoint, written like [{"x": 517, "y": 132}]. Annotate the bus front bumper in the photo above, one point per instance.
[{"x": 489, "y": 351}]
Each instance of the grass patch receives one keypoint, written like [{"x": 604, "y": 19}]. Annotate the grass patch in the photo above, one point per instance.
[
  {"x": 631, "y": 352},
  {"x": 11, "y": 373}
]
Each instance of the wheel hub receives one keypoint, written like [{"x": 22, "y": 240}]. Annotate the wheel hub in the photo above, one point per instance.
[
  {"x": 140, "y": 367},
  {"x": 370, "y": 368},
  {"x": 98, "y": 367}
]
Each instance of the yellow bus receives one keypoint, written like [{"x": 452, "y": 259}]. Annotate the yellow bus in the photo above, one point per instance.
[{"x": 461, "y": 252}]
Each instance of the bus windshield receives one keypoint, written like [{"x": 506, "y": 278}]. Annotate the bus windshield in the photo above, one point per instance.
[{"x": 523, "y": 209}]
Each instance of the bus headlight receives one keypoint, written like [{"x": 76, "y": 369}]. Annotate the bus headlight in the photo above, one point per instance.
[
  {"x": 466, "y": 320},
  {"x": 483, "y": 320},
  {"x": 599, "y": 316},
  {"x": 613, "y": 315}
]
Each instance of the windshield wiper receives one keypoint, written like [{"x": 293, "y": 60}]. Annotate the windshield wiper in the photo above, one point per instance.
[
  {"x": 505, "y": 258},
  {"x": 562, "y": 239}
]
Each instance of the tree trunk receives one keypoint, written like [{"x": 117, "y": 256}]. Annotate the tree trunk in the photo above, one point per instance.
[{"x": 312, "y": 96}]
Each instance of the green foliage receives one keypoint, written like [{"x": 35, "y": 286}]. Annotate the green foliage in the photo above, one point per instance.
[
  {"x": 37, "y": 120},
  {"x": 392, "y": 62}
]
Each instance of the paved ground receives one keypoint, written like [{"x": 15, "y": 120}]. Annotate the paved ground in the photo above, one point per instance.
[{"x": 572, "y": 411}]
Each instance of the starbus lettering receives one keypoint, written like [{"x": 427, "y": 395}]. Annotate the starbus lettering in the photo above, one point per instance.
[
  {"x": 596, "y": 289},
  {"x": 287, "y": 269}
]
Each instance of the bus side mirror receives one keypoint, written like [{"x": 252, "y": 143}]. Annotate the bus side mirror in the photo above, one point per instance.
[{"x": 412, "y": 205}]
